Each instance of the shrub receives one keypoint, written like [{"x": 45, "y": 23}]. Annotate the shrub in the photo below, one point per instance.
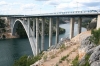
[
  {"x": 87, "y": 56},
  {"x": 25, "y": 61},
  {"x": 63, "y": 58},
  {"x": 21, "y": 62},
  {"x": 75, "y": 61},
  {"x": 95, "y": 38}
]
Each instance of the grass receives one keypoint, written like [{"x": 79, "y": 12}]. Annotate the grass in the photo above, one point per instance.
[
  {"x": 75, "y": 61},
  {"x": 63, "y": 58},
  {"x": 87, "y": 56}
]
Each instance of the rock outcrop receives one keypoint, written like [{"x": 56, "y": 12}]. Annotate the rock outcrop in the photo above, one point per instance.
[
  {"x": 94, "y": 59},
  {"x": 92, "y": 24},
  {"x": 89, "y": 48},
  {"x": 85, "y": 48}
]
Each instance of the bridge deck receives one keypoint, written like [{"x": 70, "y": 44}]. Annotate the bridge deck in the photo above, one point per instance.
[{"x": 89, "y": 13}]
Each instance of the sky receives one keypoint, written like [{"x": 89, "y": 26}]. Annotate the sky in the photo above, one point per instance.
[{"x": 29, "y": 7}]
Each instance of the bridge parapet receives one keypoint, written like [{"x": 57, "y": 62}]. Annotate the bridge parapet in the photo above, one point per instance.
[{"x": 70, "y": 12}]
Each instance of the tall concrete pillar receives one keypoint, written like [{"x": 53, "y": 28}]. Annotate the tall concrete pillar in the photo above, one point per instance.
[
  {"x": 37, "y": 36},
  {"x": 50, "y": 31},
  {"x": 11, "y": 25},
  {"x": 43, "y": 34},
  {"x": 34, "y": 23},
  {"x": 28, "y": 27},
  {"x": 98, "y": 22},
  {"x": 71, "y": 27},
  {"x": 79, "y": 25},
  {"x": 57, "y": 30}
]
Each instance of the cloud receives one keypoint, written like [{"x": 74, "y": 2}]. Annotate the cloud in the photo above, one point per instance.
[
  {"x": 28, "y": 6},
  {"x": 92, "y": 4},
  {"x": 2, "y": 3},
  {"x": 41, "y": 0},
  {"x": 52, "y": 2}
]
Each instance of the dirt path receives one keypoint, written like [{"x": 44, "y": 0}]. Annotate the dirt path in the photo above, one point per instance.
[{"x": 55, "y": 60}]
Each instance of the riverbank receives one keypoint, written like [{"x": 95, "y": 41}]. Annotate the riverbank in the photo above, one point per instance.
[
  {"x": 7, "y": 36},
  {"x": 56, "y": 57}
]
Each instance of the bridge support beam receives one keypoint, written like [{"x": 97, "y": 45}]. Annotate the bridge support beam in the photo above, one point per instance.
[
  {"x": 79, "y": 25},
  {"x": 98, "y": 22},
  {"x": 12, "y": 24},
  {"x": 42, "y": 35},
  {"x": 57, "y": 30},
  {"x": 34, "y": 23},
  {"x": 71, "y": 28},
  {"x": 28, "y": 27},
  {"x": 37, "y": 36},
  {"x": 50, "y": 31}
]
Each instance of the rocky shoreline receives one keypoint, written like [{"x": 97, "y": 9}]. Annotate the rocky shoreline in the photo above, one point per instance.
[{"x": 7, "y": 36}]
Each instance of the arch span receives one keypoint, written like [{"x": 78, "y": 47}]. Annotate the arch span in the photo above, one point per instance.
[{"x": 25, "y": 25}]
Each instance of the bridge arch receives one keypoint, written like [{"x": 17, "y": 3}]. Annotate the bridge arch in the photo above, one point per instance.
[{"x": 25, "y": 25}]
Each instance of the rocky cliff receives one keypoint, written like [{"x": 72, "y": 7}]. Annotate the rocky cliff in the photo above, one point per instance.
[
  {"x": 92, "y": 24},
  {"x": 90, "y": 49}
]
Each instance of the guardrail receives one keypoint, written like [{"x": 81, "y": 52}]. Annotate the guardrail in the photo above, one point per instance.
[{"x": 70, "y": 12}]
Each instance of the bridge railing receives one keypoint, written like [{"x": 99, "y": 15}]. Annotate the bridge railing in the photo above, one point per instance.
[{"x": 71, "y": 12}]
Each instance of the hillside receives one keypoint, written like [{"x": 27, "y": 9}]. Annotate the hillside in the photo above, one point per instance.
[{"x": 63, "y": 56}]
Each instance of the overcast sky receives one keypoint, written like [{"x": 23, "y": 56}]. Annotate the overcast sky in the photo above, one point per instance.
[{"x": 46, "y": 6}]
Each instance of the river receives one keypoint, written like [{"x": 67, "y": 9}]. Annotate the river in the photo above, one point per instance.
[{"x": 12, "y": 49}]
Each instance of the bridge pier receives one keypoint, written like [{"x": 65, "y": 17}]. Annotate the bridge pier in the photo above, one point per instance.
[
  {"x": 57, "y": 30},
  {"x": 98, "y": 22},
  {"x": 79, "y": 25},
  {"x": 12, "y": 25},
  {"x": 28, "y": 26},
  {"x": 50, "y": 31},
  {"x": 71, "y": 27},
  {"x": 42, "y": 35},
  {"x": 34, "y": 23},
  {"x": 37, "y": 36}
]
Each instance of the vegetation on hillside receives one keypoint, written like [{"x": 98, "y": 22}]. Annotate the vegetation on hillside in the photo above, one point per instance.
[
  {"x": 2, "y": 25},
  {"x": 95, "y": 38},
  {"x": 27, "y": 61},
  {"x": 75, "y": 62}
]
